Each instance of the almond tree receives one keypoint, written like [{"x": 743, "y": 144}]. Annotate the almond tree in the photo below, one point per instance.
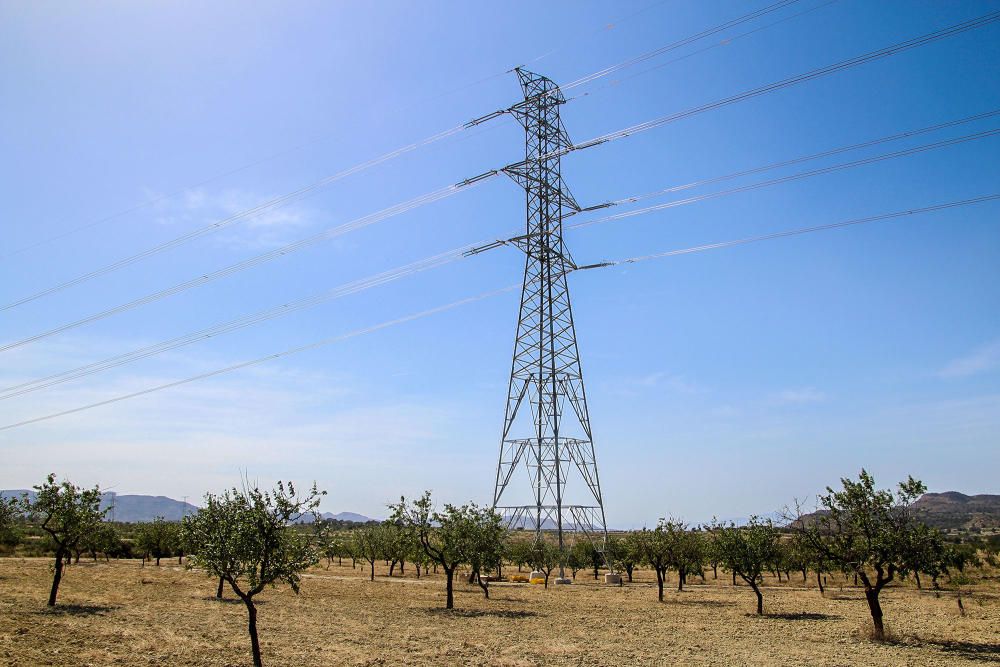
[
  {"x": 68, "y": 514},
  {"x": 626, "y": 552},
  {"x": 747, "y": 550},
  {"x": 871, "y": 533},
  {"x": 159, "y": 538},
  {"x": 544, "y": 557},
  {"x": 10, "y": 512},
  {"x": 368, "y": 544},
  {"x": 246, "y": 538},
  {"x": 453, "y": 537}
]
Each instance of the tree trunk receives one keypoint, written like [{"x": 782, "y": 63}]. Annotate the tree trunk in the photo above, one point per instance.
[
  {"x": 157, "y": 561},
  {"x": 804, "y": 575},
  {"x": 472, "y": 576},
  {"x": 450, "y": 603},
  {"x": 417, "y": 565},
  {"x": 402, "y": 567},
  {"x": 659, "y": 584},
  {"x": 734, "y": 578},
  {"x": 252, "y": 627},
  {"x": 56, "y": 578},
  {"x": 373, "y": 569},
  {"x": 715, "y": 571},
  {"x": 218, "y": 591},
  {"x": 392, "y": 567},
  {"x": 760, "y": 598},
  {"x": 819, "y": 580},
  {"x": 485, "y": 586},
  {"x": 875, "y": 608},
  {"x": 917, "y": 576},
  {"x": 596, "y": 568},
  {"x": 628, "y": 571},
  {"x": 680, "y": 580}
]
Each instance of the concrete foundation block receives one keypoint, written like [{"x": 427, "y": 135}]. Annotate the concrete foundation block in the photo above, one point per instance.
[{"x": 614, "y": 579}]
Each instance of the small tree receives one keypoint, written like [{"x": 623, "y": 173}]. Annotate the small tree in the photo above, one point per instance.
[
  {"x": 544, "y": 557},
  {"x": 10, "y": 512},
  {"x": 484, "y": 542},
  {"x": 455, "y": 536},
  {"x": 872, "y": 534},
  {"x": 626, "y": 552},
  {"x": 245, "y": 537},
  {"x": 442, "y": 543},
  {"x": 671, "y": 546},
  {"x": 67, "y": 514},
  {"x": 159, "y": 538},
  {"x": 368, "y": 544},
  {"x": 747, "y": 550}
]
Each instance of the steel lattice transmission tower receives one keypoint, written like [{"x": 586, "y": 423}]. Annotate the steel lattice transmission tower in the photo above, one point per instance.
[{"x": 546, "y": 380}]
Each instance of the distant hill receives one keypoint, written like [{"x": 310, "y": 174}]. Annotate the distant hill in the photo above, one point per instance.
[
  {"x": 953, "y": 510},
  {"x": 957, "y": 510},
  {"x": 136, "y": 508}
]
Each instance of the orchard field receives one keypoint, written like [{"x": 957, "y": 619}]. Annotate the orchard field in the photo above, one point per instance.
[{"x": 124, "y": 613}]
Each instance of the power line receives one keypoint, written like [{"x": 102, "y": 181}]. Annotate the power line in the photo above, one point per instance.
[
  {"x": 269, "y": 357},
  {"x": 233, "y": 219},
  {"x": 885, "y": 52},
  {"x": 262, "y": 258},
  {"x": 676, "y": 45},
  {"x": 785, "y": 179},
  {"x": 455, "y": 304},
  {"x": 788, "y": 163},
  {"x": 313, "y": 187},
  {"x": 725, "y": 42},
  {"x": 795, "y": 232},
  {"x": 441, "y": 259},
  {"x": 852, "y": 62},
  {"x": 229, "y": 326}
]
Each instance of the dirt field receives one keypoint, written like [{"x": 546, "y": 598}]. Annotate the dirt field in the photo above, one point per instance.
[{"x": 124, "y": 614}]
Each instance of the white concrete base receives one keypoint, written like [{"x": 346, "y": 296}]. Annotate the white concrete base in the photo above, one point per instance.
[
  {"x": 615, "y": 579},
  {"x": 563, "y": 580},
  {"x": 535, "y": 574}
]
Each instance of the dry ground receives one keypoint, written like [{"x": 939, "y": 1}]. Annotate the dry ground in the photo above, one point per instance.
[{"x": 125, "y": 614}]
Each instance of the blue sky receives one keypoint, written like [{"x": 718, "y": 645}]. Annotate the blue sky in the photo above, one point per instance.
[{"x": 720, "y": 383}]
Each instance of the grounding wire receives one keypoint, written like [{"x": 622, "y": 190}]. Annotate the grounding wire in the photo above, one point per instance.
[
  {"x": 676, "y": 45},
  {"x": 885, "y": 52}
]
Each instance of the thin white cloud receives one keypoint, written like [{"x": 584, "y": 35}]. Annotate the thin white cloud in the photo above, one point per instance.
[
  {"x": 983, "y": 359},
  {"x": 270, "y": 226},
  {"x": 799, "y": 396}
]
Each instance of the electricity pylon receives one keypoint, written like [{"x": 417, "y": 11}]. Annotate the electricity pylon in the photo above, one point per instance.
[{"x": 545, "y": 375}]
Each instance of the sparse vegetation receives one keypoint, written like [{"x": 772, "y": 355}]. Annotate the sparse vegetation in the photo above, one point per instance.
[
  {"x": 245, "y": 537},
  {"x": 67, "y": 514}
]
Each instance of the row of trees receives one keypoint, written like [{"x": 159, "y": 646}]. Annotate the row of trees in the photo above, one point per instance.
[{"x": 249, "y": 540}]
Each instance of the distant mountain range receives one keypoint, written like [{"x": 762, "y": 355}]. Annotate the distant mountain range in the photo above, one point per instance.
[{"x": 136, "y": 508}]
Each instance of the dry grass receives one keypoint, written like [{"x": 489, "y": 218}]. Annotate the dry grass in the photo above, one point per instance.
[{"x": 124, "y": 614}]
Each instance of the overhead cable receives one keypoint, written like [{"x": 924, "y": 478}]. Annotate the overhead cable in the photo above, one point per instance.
[{"x": 270, "y": 357}]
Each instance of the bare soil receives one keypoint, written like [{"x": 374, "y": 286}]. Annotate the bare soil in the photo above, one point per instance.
[{"x": 125, "y": 614}]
